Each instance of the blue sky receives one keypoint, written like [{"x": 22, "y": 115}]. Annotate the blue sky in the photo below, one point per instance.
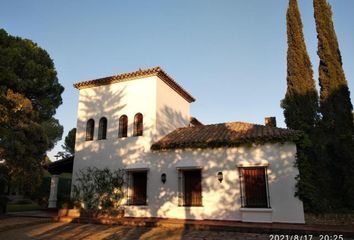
[{"x": 229, "y": 54}]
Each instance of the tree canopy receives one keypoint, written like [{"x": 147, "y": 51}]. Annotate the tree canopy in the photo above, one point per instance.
[
  {"x": 336, "y": 125},
  {"x": 325, "y": 153},
  {"x": 29, "y": 96},
  {"x": 69, "y": 142},
  {"x": 301, "y": 106}
]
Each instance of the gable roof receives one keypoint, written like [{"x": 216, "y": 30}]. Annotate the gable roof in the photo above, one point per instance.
[
  {"x": 223, "y": 135},
  {"x": 141, "y": 73}
]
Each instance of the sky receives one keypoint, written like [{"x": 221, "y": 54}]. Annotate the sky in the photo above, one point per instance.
[{"x": 229, "y": 54}]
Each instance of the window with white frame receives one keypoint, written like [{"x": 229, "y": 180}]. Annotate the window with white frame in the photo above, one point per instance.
[
  {"x": 190, "y": 187},
  {"x": 254, "y": 187}
]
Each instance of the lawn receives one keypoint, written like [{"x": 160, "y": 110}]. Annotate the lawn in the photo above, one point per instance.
[{"x": 22, "y": 207}]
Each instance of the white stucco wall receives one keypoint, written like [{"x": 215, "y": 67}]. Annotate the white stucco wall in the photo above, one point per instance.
[
  {"x": 222, "y": 200},
  {"x": 172, "y": 110},
  {"x": 164, "y": 110},
  {"x": 112, "y": 101}
]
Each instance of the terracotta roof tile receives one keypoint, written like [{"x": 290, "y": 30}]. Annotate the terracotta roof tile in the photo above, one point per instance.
[
  {"x": 141, "y": 73},
  {"x": 223, "y": 134}
]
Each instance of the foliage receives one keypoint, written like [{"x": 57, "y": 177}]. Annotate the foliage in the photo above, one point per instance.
[
  {"x": 41, "y": 194},
  {"x": 69, "y": 142},
  {"x": 23, "y": 141},
  {"x": 99, "y": 189},
  {"x": 29, "y": 96},
  {"x": 301, "y": 100},
  {"x": 336, "y": 143},
  {"x": 53, "y": 130},
  {"x": 325, "y": 155},
  {"x": 27, "y": 69},
  {"x": 300, "y": 108}
]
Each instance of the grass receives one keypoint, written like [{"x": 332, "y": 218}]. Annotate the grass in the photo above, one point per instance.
[{"x": 22, "y": 207}]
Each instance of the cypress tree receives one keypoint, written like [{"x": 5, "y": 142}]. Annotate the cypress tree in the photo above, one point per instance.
[
  {"x": 301, "y": 106},
  {"x": 301, "y": 100},
  {"x": 336, "y": 125}
]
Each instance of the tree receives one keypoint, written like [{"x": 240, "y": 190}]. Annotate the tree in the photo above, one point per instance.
[
  {"x": 336, "y": 124},
  {"x": 301, "y": 106},
  {"x": 29, "y": 96},
  {"x": 27, "y": 69},
  {"x": 69, "y": 142},
  {"x": 301, "y": 100},
  {"x": 23, "y": 141}
]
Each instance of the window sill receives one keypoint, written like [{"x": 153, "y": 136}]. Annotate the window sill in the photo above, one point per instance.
[{"x": 256, "y": 209}]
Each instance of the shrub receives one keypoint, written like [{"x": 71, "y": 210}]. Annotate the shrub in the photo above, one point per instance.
[{"x": 99, "y": 188}]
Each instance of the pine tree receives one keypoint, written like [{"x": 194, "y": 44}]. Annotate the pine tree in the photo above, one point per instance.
[
  {"x": 336, "y": 125},
  {"x": 69, "y": 142},
  {"x": 301, "y": 106}
]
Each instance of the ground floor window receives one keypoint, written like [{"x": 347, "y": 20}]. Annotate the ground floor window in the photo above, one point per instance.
[
  {"x": 137, "y": 183},
  {"x": 254, "y": 187},
  {"x": 190, "y": 187}
]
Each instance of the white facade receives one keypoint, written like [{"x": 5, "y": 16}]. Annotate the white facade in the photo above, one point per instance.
[{"x": 164, "y": 110}]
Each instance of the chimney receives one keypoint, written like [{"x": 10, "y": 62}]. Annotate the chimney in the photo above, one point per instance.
[{"x": 270, "y": 121}]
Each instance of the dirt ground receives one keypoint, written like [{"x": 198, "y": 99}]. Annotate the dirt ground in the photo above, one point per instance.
[
  {"x": 73, "y": 231},
  {"x": 14, "y": 228}
]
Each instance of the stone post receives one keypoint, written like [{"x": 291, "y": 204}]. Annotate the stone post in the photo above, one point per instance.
[{"x": 52, "y": 202}]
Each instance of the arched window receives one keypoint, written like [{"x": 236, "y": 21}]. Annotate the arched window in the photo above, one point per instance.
[
  {"x": 90, "y": 128},
  {"x": 138, "y": 124},
  {"x": 102, "y": 128},
  {"x": 123, "y": 126}
]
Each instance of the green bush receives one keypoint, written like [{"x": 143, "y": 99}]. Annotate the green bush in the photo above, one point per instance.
[{"x": 99, "y": 189}]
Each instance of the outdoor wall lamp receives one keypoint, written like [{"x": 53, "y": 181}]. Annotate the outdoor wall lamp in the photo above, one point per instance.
[
  {"x": 163, "y": 178},
  {"x": 220, "y": 177}
]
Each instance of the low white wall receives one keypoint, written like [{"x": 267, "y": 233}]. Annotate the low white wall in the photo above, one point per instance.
[{"x": 220, "y": 200}]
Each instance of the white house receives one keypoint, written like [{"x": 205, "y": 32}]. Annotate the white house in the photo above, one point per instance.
[{"x": 178, "y": 168}]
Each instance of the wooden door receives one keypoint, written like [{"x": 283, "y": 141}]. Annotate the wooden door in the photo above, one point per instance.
[{"x": 192, "y": 188}]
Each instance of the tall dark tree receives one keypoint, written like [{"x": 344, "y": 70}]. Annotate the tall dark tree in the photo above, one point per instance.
[
  {"x": 336, "y": 109},
  {"x": 301, "y": 106},
  {"x": 301, "y": 100},
  {"x": 69, "y": 142},
  {"x": 29, "y": 96}
]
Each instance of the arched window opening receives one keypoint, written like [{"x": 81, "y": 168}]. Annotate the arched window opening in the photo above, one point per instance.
[
  {"x": 102, "y": 128},
  {"x": 90, "y": 128},
  {"x": 123, "y": 126},
  {"x": 138, "y": 124}
]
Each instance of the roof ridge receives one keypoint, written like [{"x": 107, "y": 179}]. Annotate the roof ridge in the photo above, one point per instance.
[{"x": 240, "y": 122}]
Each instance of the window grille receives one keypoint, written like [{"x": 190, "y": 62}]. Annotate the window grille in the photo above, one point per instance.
[{"x": 254, "y": 187}]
